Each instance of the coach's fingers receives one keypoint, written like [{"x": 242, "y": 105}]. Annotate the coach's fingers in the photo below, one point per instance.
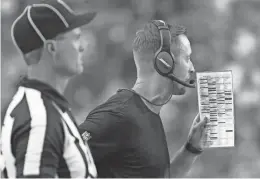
[
  {"x": 202, "y": 123},
  {"x": 196, "y": 119}
]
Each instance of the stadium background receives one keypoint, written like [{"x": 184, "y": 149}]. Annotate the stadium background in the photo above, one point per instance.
[{"x": 223, "y": 35}]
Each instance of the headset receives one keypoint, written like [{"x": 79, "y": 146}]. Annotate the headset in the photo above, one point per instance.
[{"x": 164, "y": 60}]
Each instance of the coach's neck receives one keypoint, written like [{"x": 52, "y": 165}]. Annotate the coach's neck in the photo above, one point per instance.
[
  {"x": 147, "y": 88},
  {"x": 150, "y": 84}
]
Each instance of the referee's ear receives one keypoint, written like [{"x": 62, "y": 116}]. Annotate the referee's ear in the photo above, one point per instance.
[{"x": 51, "y": 47}]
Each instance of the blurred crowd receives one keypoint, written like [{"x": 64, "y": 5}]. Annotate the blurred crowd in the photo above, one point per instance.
[{"x": 223, "y": 34}]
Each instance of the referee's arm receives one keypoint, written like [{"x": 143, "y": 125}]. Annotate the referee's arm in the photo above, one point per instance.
[{"x": 37, "y": 144}]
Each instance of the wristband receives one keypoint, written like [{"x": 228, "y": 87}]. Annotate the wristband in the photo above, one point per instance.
[{"x": 192, "y": 149}]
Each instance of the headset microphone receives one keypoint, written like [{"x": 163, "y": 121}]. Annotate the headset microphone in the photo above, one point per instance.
[
  {"x": 164, "y": 60},
  {"x": 189, "y": 85}
]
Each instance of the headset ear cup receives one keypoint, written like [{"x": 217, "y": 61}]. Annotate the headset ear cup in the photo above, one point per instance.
[{"x": 164, "y": 63}]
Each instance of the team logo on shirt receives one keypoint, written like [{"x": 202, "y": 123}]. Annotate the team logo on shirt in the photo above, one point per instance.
[{"x": 86, "y": 136}]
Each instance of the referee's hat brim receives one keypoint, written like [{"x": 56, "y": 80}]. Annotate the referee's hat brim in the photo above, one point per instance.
[{"x": 81, "y": 20}]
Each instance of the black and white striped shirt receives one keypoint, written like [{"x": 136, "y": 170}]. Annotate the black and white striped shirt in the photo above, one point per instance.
[{"x": 40, "y": 137}]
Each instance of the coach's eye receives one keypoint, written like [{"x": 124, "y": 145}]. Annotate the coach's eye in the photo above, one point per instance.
[{"x": 189, "y": 58}]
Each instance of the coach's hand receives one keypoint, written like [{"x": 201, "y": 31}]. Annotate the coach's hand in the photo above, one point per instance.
[{"x": 196, "y": 134}]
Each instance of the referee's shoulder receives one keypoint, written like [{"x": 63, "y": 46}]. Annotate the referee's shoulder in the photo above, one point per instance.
[
  {"x": 38, "y": 101},
  {"x": 32, "y": 103},
  {"x": 30, "y": 109}
]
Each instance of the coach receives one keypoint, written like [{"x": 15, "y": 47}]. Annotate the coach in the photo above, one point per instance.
[
  {"x": 40, "y": 138},
  {"x": 125, "y": 133}
]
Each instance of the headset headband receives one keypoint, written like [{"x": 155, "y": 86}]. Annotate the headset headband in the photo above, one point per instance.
[{"x": 165, "y": 35}]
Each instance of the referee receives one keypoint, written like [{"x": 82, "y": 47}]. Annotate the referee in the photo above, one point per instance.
[
  {"x": 125, "y": 133},
  {"x": 40, "y": 138}
]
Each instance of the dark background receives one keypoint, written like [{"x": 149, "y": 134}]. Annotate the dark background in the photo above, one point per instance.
[{"x": 224, "y": 35}]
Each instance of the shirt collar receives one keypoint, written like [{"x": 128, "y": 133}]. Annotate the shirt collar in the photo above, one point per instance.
[{"x": 47, "y": 91}]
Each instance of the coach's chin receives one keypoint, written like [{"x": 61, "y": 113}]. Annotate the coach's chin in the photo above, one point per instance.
[{"x": 178, "y": 89}]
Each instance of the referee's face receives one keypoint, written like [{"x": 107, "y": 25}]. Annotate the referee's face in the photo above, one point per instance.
[
  {"x": 184, "y": 68},
  {"x": 70, "y": 49}
]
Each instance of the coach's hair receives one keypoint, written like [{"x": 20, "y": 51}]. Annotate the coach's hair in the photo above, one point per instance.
[{"x": 148, "y": 38}]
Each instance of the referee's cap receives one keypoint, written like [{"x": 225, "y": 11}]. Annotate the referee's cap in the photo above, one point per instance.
[{"x": 45, "y": 20}]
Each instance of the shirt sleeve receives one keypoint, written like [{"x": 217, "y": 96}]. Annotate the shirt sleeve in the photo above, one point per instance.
[
  {"x": 104, "y": 133},
  {"x": 38, "y": 145}
]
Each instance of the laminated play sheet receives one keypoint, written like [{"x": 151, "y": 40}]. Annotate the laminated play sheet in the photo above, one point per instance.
[{"x": 216, "y": 102}]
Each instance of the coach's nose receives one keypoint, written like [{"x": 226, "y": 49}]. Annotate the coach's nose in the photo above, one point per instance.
[
  {"x": 192, "y": 74},
  {"x": 192, "y": 69}
]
